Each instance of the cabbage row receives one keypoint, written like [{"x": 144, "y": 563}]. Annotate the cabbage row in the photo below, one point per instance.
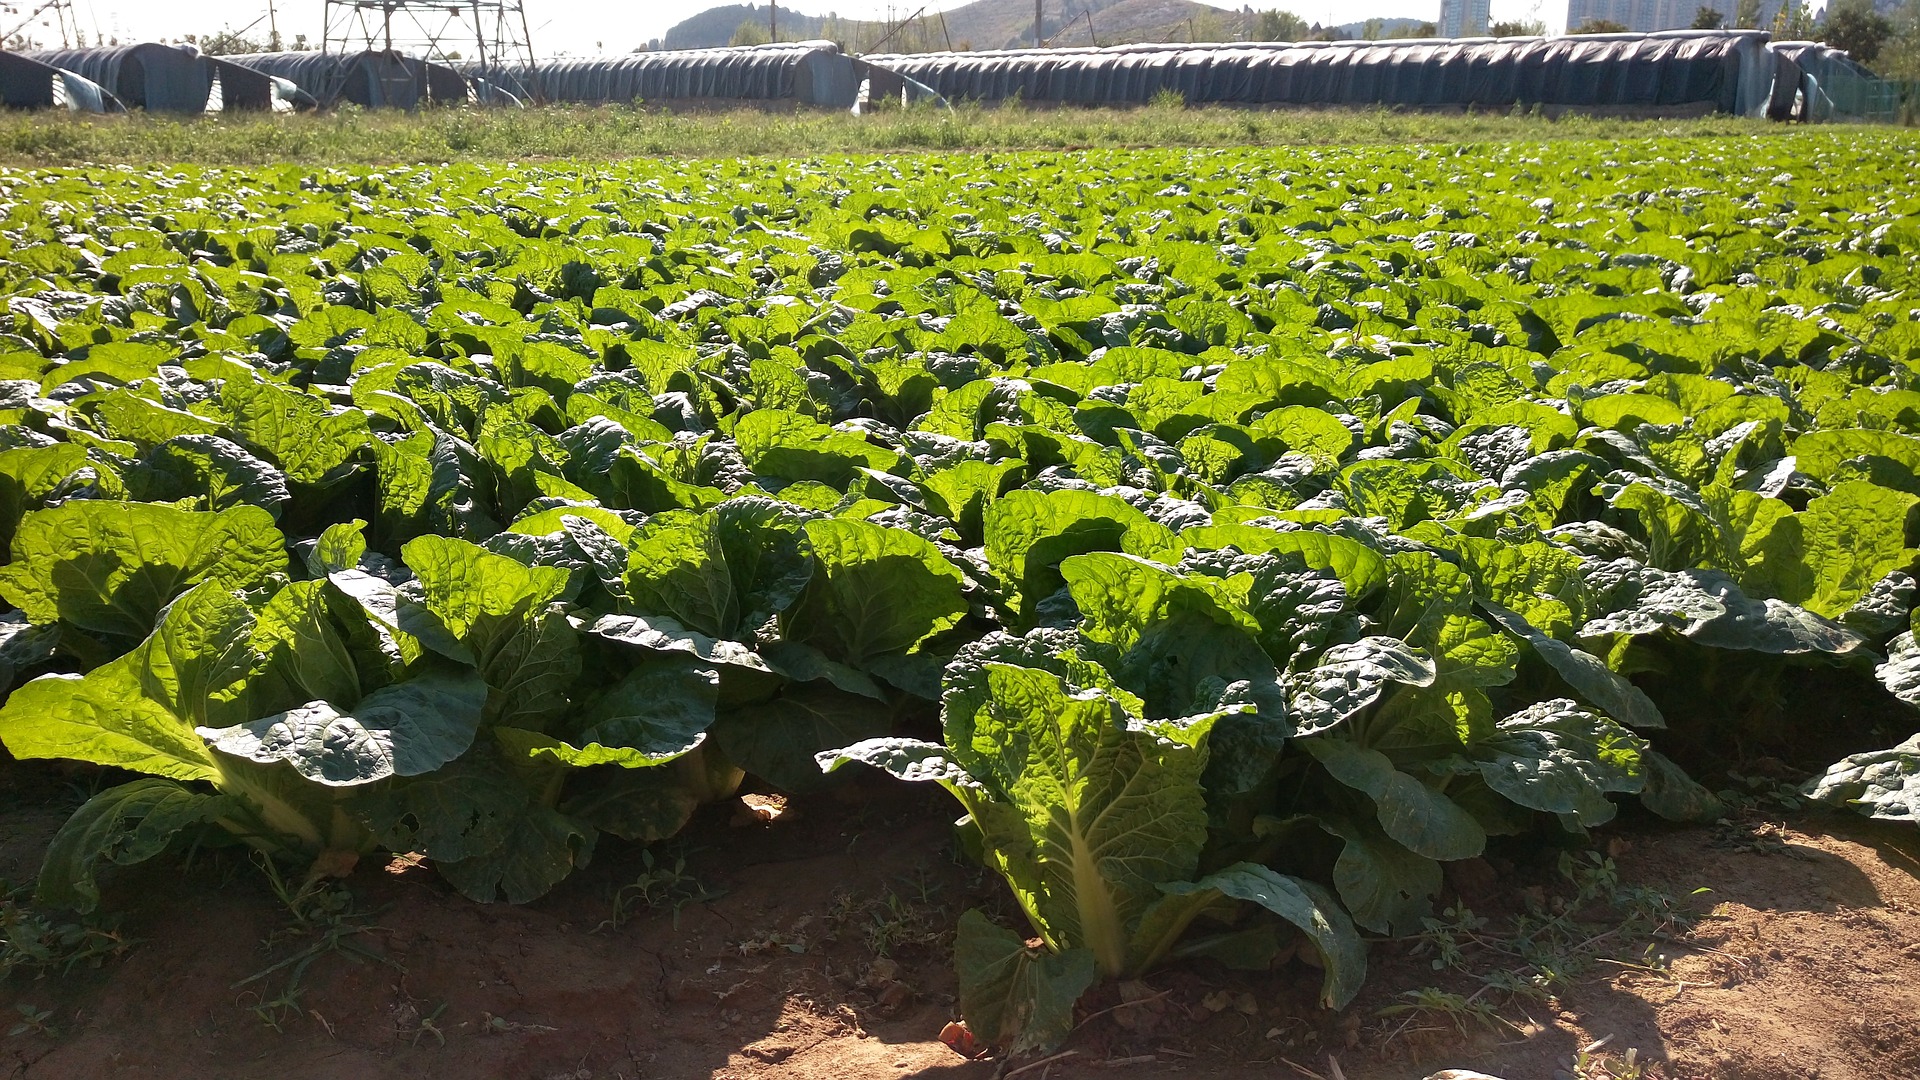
[{"x": 1226, "y": 531}]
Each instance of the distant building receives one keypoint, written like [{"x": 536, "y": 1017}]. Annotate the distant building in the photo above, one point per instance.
[
  {"x": 1645, "y": 16},
  {"x": 1465, "y": 18}
]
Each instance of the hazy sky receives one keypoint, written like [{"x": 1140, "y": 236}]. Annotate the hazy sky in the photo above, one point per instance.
[{"x": 584, "y": 26}]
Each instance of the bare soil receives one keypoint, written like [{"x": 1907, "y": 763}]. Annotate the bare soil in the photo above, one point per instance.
[{"x": 815, "y": 946}]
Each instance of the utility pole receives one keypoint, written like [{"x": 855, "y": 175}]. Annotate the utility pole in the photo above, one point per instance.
[
  {"x": 273, "y": 28},
  {"x": 773, "y": 20},
  {"x": 1038, "y": 41}
]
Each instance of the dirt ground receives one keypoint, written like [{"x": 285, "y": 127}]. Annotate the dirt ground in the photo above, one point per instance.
[{"x": 814, "y": 946}]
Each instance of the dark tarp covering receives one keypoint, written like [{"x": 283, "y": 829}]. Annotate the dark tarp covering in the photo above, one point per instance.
[
  {"x": 1728, "y": 70},
  {"x": 807, "y": 72},
  {"x": 158, "y": 78},
  {"x": 372, "y": 80},
  {"x": 1817, "y": 82},
  {"x": 26, "y": 83},
  {"x": 243, "y": 89}
]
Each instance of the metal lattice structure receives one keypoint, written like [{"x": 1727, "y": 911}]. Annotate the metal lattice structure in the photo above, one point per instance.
[
  {"x": 488, "y": 35},
  {"x": 25, "y": 20}
]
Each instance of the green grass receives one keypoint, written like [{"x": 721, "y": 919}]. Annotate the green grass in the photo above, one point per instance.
[{"x": 353, "y": 136}]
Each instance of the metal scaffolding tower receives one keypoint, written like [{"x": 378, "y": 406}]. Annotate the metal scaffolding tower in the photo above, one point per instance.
[
  {"x": 439, "y": 30},
  {"x": 24, "y": 22}
]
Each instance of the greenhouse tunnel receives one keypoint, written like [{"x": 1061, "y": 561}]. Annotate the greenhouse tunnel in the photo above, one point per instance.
[
  {"x": 26, "y": 83},
  {"x": 371, "y": 80},
  {"x": 158, "y": 78},
  {"x": 803, "y": 73},
  {"x": 1670, "y": 71}
]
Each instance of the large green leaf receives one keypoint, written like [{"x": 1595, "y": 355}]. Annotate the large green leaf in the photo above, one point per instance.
[
  {"x": 656, "y": 712},
  {"x": 123, "y": 825},
  {"x": 486, "y": 824},
  {"x": 1883, "y": 783},
  {"x": 1351, "y": 678},
  {"x": 108, "y": 568},
  {"x": 407, "y": 729},
  {"x": 1854, "y": 535},
  {"x": 1359, "y": 568},
  {"x": 139, "y": 711},
  {"x": 1090, "y": 810},
  {"x": 1386, "y": 888},
  {"x": 874, "y": 591},
  {"x": 501, "y": 611},
  {"x": 1028, "y": 533},
  {"x": 724, "y": 572},
  {"x": 208, "y": 473},
  {"x": 308, "y": 440},
  {"x": 1309, "y": 908},
  {"x": 792, "y": 447},
  {"x": 1415, "y": 815},
  {"x": 1179, "y": 641},
  {"x": 1559, "y": 758},
  {"x": 29, "y": 475},
  {"x": 1012, "y": 996},
  {"x": 1586, "y": 673}
]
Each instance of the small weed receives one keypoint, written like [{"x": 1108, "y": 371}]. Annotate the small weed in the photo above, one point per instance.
[
  {"x": 1544, "y": 948},
  {"x": 429, "y": 1025},
  {"x": 1463, "y": 1012},
  {"x": 1763, "y": 794},
  {"x": 659, "y": 885},
  {"x": 1595, "y": 1063},
  {"x": 33, "y": 1021},
  {"x": 911, "y": 915},
  {"x": 324, "y": 914},
  {"x": 32, "y": 942},
  {"x": 282, "y": 1010}
]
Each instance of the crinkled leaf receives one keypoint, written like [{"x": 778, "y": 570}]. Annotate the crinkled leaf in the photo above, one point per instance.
[
  {"x": 407, "y": 729},
  {"x": 1088, "y": 811},
  {"x": 1586, "y": 673},
  {"x": 874, "y": 590},
  {"x": 1350, "y": 678},
  {"x": 1028, "y": 533},
  {"x": 1415, "y": 815},
  {"x": 1308, "y": 907},
  {"x": 1558, "y": 758},
  {"x": 499, "y": 610},
  {"x": 1883, "y": 783},
  {"x": 139, "y": 711},
  {"x": 210, "y": 472},
  {"x": 656, "y": 712},
  {"x": 109, "y": 567},
  {"x": 123, "y": 825},
  {"x": 1012, "y": 996}
]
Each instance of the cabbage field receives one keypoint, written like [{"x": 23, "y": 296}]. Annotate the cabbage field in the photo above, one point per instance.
[{"x": 1238, "y": 536}]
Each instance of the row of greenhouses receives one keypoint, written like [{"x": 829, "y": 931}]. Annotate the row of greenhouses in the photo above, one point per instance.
[{"x": 1738, "y": 72}]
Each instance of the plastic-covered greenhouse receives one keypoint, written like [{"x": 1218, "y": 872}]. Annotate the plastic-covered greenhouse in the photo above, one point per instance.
[
  {"x": 26, "y": 83},
  {"x": 373, "y": 79},
  {"x": 805, "y": 72},
  {"x": 238, "y": 88},
  {"x": 1815, "y": 82},
  {"x": 1683, "y": 70},
  {"x": 158, "y": 78}
]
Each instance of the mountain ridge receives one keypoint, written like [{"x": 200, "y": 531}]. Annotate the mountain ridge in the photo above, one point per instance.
[{"x": 983, "y": 24}]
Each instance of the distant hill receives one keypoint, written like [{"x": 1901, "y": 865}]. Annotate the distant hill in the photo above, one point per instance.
[
  {"x": 1388, "y": 27},
  {"x": 983, "y": 24}
]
